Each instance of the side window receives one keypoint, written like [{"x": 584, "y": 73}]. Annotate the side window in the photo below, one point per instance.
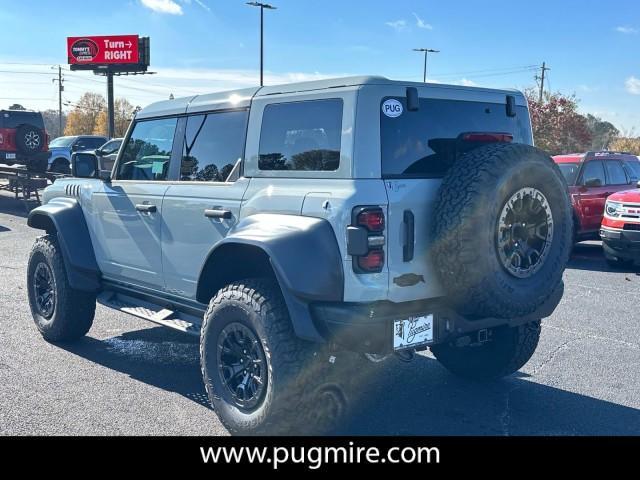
[
  {"x": 594, "y": 170},
  {"x": 148, "y": 151},
  {"x": 633, "y": 169},
  {"x": 301, "y": 136},
  {"x": 213, "y": 146},
  {"x": 111, "y": 147},
  {"x": 615, "y": 172},
  {"x": 92, "y": 142}
]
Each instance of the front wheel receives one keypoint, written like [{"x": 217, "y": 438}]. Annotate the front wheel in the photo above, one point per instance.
[
  {"x": 507, "y": 350},
  {"x": 260, "y": 378},
  {"x": 60, "y": 312}
]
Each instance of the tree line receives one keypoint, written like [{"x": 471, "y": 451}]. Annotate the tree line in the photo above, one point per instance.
[{"x": 559, "y": 128}]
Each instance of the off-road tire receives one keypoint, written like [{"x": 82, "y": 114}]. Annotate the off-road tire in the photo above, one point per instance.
[
  {"x": 29, "y": 139},
  {"x": 73, "y": 310},
  {"x": 296, "y": 371},
  {"x": 508, "y": 350},
  {"x": 465, "y": 225}
]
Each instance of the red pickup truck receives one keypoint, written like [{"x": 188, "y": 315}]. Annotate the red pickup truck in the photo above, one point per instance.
[
  {"x": 620, "y": 231},
  {"x": 592, "y": 177}
]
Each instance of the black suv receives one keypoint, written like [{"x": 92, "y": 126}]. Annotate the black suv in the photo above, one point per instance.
[{"x": 23, "y": 139}]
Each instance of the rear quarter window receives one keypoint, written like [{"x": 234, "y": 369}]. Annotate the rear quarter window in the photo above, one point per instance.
[
  {"x": 302, "y": 136},
  {"x": 423, "y": 143}
]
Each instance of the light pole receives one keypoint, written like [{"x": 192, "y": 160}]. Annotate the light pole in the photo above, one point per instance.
[
  {"x": 426, "y": 51},
  {"x": 262, "y": 7}
]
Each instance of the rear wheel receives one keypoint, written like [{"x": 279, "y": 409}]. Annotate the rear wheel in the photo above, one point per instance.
[
  {"x": 260, "y": 378},
  {"x": 507, "y": 350}
]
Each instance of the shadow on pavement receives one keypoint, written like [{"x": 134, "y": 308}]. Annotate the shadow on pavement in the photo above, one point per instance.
[
  {"x": 420, "y": 398},
  {"x": 11, "y": 206},
  {"x": 589, "y": 256}
]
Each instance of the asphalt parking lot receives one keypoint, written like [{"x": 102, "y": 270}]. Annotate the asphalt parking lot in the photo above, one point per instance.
[{"x": 131, "y": 377}]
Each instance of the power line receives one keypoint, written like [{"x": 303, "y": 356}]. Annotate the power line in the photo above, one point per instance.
[
  {"x": 27, "y": 73},
  {"x": 24, "y": 98},
  {"x": 486, "y": 70}
]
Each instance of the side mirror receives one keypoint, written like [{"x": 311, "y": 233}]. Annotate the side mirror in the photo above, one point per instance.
[
  {"x": 593, "y": 182},
  {"x": 84, "y": 165},
  {"x": 639, "y": 184},
  {"x": 99, "y": 152},
  {"x": 74, "y": 148}
]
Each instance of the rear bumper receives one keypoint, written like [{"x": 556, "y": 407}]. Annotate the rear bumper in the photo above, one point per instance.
[
  {"x": 624, "y": 244},
  {"x": 17, "y": 157},
  {"x": 369, "y": 327}
]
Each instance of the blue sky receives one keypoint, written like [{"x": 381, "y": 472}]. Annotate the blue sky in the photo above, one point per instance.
[{"x": 592, "y": 47}]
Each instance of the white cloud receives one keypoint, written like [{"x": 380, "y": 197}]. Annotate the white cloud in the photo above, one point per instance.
[
  {"x": 420, "y": 23},
  {"x": 467, "y": 83},
  {"x": 397, "y": 25},
  {"x": 163, "y": 6},
  {"x": 633, "y": 85},
  {"x": 587, "y": 88},
  {"x": 203, "y": 5},
  {"x": 199, "y": 2},
  {"x": 626, "y": 30}
]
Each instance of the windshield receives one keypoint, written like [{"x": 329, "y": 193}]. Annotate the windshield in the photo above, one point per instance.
[
  {"x": 570, "y": 172},
  {"x": 62, "y": 142}
]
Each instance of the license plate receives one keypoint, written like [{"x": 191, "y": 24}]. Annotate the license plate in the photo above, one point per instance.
[
  {"x": 10, "y": 156},
  {"x": 412, "y": 332}
]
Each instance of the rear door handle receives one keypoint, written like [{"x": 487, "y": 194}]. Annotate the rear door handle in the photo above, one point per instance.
[
  {"x": 218, "y": 213},
  {"x": 145, "y": 208}
]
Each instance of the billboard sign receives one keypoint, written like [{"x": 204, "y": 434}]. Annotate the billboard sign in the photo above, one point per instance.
[{"x": 103, "y": 50}]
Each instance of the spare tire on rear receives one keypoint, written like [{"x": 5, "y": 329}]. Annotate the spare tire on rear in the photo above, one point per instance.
[
  {"x": 502, "y": 231},
  {"x": 29, "y": 139}
]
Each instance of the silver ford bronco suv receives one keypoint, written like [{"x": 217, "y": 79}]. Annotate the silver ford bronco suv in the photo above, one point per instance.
[{"x": 285, "y": 224}]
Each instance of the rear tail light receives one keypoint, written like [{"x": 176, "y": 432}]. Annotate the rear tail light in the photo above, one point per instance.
[
  {"x": 487, "y": 137},
  {"x": 371, "y": 218},
  {"x": 372, "y": 262},
  {"x": 366, "y": 240}
]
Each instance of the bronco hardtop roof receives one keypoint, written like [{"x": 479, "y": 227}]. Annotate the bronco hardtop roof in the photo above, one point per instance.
[{"x": 242, "y": 97}]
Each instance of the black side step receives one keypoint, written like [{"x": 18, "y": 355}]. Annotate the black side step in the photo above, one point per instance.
[{"x": 149, "y": 311}]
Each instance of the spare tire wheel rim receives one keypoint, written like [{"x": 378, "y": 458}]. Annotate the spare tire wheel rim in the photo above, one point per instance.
[
  {"x": 32, "y": 140},
  {"x": 242, "y": 365},
  {"x": 525, "y": 232}
]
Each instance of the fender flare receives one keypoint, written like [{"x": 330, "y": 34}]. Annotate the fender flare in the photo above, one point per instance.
[
  {"x": 304, "y": 255},
  {"x": 64, "y": 217}
]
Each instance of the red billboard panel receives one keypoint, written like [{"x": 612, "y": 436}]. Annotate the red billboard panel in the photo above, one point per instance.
[{"x": 103, "y": 50}]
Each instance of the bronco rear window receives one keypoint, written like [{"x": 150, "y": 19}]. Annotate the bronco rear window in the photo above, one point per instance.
[
  {"x": 423, "y": 143},
  {"x": 15, "y": 118}
]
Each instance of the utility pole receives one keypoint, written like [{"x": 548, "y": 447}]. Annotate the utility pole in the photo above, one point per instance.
[
  {"x": 110, "y": 107},
  {"x": 426, "y": 51},
  {"x": 262, "y": 7},
  {"x": 60, "y": 90},
  {"x": 544, "y": 69}
]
